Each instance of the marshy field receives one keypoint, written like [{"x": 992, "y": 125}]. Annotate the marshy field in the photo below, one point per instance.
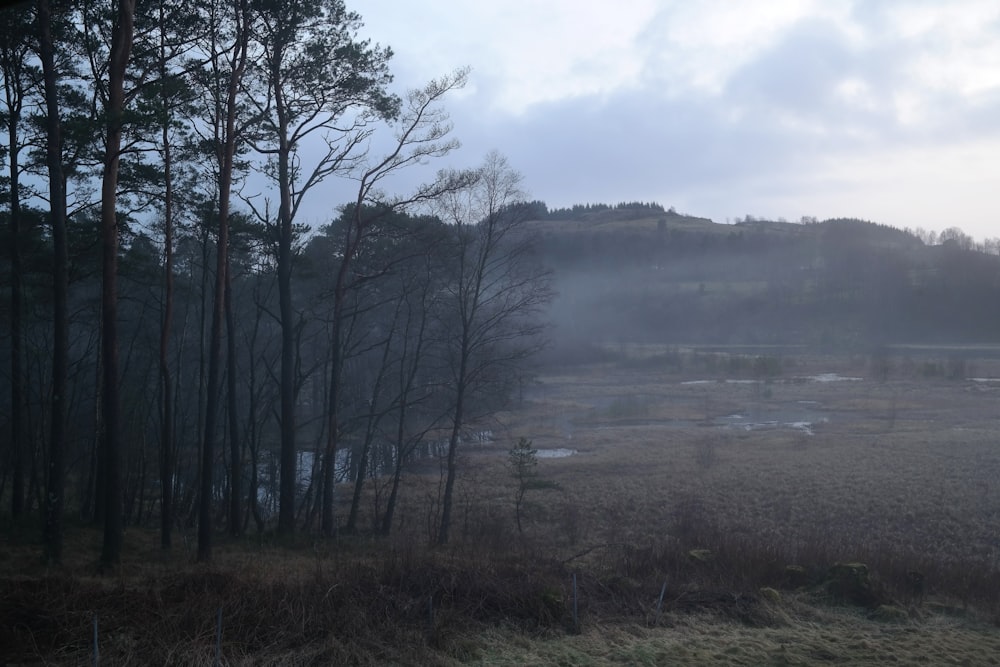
[{"x": 683, "y": 508}]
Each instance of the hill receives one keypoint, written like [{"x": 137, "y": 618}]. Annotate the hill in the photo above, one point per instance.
[{"x": 637, "y": 273}]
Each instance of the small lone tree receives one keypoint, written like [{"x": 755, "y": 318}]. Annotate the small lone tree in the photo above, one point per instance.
[{"x": 522, "y": 460}]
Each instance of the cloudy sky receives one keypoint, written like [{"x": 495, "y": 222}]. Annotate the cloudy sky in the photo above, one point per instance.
[{"x": 888, "y": 110}]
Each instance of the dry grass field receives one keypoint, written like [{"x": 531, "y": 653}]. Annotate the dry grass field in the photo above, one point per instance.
[{"x": 807, "y": 515}]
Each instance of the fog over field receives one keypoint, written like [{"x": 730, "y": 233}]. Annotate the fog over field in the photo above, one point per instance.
[{"x": 642, "y": 274}]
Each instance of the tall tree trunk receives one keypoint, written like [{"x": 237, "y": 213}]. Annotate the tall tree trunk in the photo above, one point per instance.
[
  {"x": 397, "y": 476},
  {"x": 235, "y": 441},
  {"x": 166, "y": 383},
  {"x": 286, "y": 499},
  {"x": 17, "y": 430},
  {"x": 373, "y": 420},
  {"x": 212, "y": 405},
  {"x": 400, "y": 445},
  {"x": 444, "y": 533},
  {"x": 328, "y": 518},
  {"x": 55, "y": 492},
  {"x": 307, "y": 98},
  {"x": 226, "y": 157},
  {"x": 121, "y": 47},
  {"x": 252, "y": 432},
  {"x": 407, "y": 378},
  {"x": 192, "y": 507},
  {"x": 94, "y": 503}
]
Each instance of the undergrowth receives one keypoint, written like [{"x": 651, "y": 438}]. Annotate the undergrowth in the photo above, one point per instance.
[
  {"x": 379, "y": 601},
  {"x": 648, "y": 527}
]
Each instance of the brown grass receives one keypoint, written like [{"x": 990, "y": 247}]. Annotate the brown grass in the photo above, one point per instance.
[
  {"x": 280, "y": 607},
  {"x": 900, "y": 478},
  {"x": 911, "y": 493}
]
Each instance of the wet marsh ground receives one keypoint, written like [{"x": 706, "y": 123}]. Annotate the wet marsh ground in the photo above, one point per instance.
[
  {"x": 729, "y": 494},
  {"x": 906, "y": 465},
  {"x": 815, "y": 465}
]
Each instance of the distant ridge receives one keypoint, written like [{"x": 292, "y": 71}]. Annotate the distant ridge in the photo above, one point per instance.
[{"x": 640, "y": 272}]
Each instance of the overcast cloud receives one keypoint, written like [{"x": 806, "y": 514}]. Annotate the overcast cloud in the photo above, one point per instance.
[{"x": 888, "y": 110}]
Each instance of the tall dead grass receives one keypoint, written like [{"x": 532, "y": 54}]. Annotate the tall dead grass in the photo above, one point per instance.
[{"x": 741, "y": 526}]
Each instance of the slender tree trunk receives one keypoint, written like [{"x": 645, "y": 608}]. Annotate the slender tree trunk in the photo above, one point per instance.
[
  {"x": 286, "y": 500},
  {"x": 252, "y": 433},
  {"x": 17, "y": 430},
  {"x": 35, "y": 487},
  {"x": 444, "y": 533},
  {"x": 3, "y": 475},
  {"x": 18, "y": 440},
  {"x": 55, "y": 492},
  {"x": 192, "y": 506},
  {"x": 407, "y": 379},
  {"x": 397, "y": 473},
  {"x": 167, "y": 447},
  {"x": 212, "y": 406},
  {"x": 328, "y": 517},
  {"x": 470, "y": 290},
  {"x": 252, "y": 498},
  {"x": 137, "y": 498},
  {"x": 226, "y": 165},
  {"x": 373, "y": 420},
  {"x": 95, "y": 476},
  {"x": 235, "y": 441},
  {"x": 328, "y": 522},
  {"x": 360, "y": 474},
  {"x": 121, "y": 47}
]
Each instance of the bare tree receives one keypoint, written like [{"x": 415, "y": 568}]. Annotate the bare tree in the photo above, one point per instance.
[
  {"x": 422, "y": 133},
  {"x": 495, "y": 291},
  {"x": 317, "y": 81},
  {"x": 417, "y": 292}
]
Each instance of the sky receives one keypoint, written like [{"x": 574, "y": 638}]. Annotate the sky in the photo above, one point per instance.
[{"x": 887, "y": 111}]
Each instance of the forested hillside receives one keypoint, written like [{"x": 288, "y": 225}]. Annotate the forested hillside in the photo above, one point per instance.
[{"x": 640, "y": 273}]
